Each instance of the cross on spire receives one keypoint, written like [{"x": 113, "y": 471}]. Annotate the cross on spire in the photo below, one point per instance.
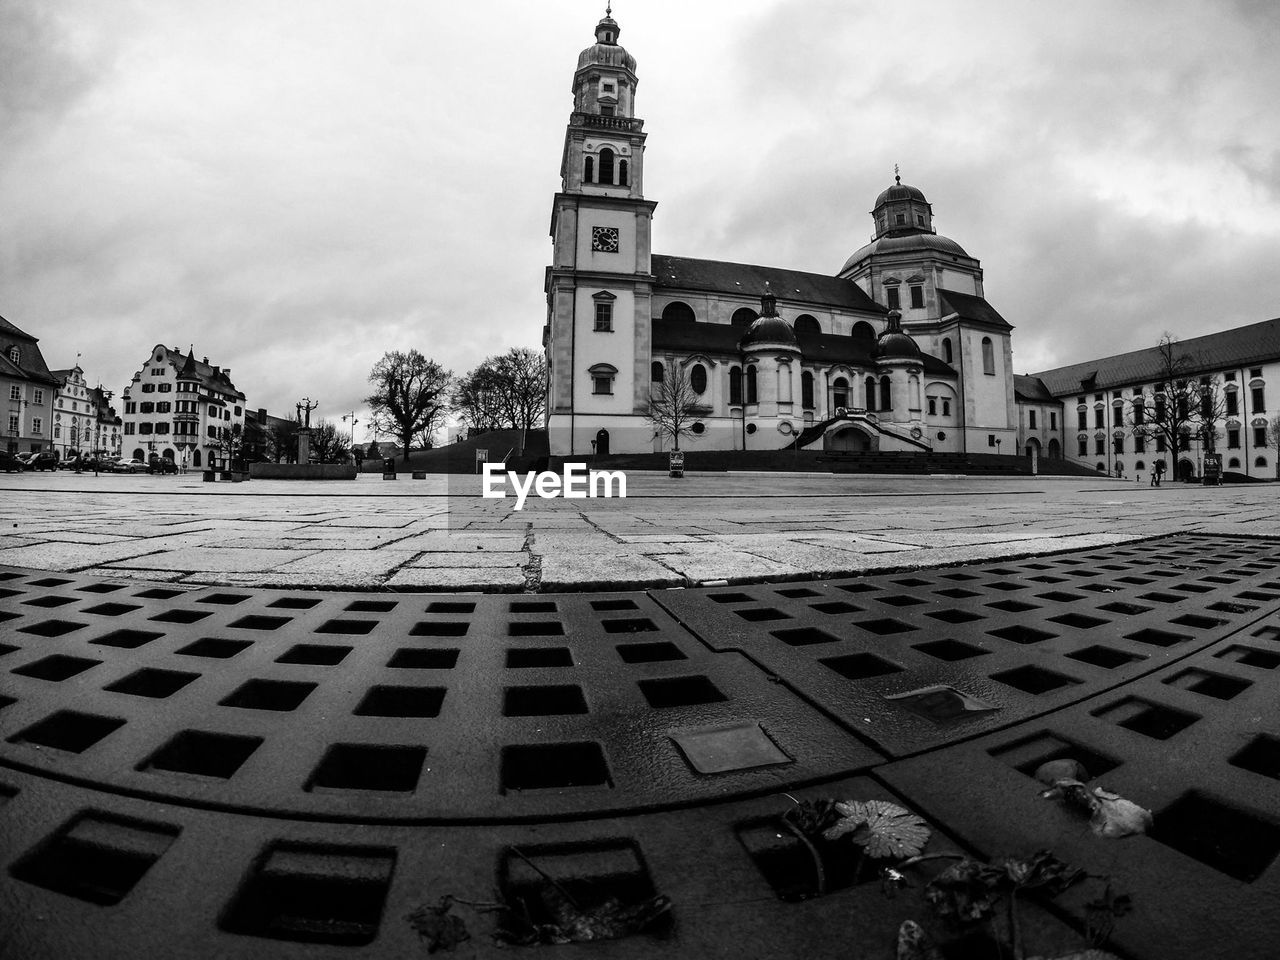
[{"x": 896, "y": 178}]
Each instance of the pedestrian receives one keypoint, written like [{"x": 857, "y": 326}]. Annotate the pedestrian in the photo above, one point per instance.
[{"x": 1158, "y": 473}]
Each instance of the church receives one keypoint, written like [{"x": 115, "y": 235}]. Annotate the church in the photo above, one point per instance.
[{"x": 897, "y": 351}]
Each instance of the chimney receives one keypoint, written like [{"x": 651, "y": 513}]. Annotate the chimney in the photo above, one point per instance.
[
  {"x": 227, "y": 373},
  {"x": 262, "y": 414},
  {"x": 205, "y": 361}
]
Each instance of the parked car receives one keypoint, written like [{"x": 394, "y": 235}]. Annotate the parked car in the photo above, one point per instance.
[
  {"x": 71, "y": 463},
  {"x": 43, "y": 461},
  {"x": 128, "y": 466},
  {"x": 162, "y": 465},
  {"x": 10, "y": 463}
]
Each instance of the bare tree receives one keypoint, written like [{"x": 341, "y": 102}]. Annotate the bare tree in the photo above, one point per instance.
[
  {"x": 1182, "y": 406},
  {"x": 509, "y": 390},
  {"x": 329, "y": 444},
  {"x": 477, "y": 398},
  {"x": 410, "y": 394},
  {"x": 231, "y": 445},
  {"x": 674, "y": 406},
  {"x": 282, "y": 442}
]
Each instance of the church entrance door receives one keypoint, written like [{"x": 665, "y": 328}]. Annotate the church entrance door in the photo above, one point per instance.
[
  {"x": 602, "y": 443},
  {"x": 1186, "y": 471},
  {"x": 848, "y": 440},
  {"x": 1055, "y": 450}
]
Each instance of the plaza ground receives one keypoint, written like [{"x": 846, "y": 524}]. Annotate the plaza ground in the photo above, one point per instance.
[{"x": 279, "y": 719}]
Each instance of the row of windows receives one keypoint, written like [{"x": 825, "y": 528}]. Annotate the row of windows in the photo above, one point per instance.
[
  {"x": 1231, "y": 408},
  {"x": 157, "y": 388},
  {"x": 1031, "y": 420},
  {"x": 1229, "y": 376},
  {"x": 37, "y": 396},
  {"x": 604, "y": 170},
  {"x": 37, "y": 425},
  {"x": 894, "y": 301}
]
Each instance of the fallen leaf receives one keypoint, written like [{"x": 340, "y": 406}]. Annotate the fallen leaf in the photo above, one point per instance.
[
  {"x": 884, "y": 830},
  {"x": 438, "y": 927},
  {"x": 914, "y": 943},
  {"x": 1110, "y": 815},
  {"x": 1065, "y": 769}
]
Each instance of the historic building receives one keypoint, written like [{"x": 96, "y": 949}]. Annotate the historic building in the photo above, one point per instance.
[
  {"x": 28, "y": 387},
  {"x": 899, "y": 350},
  {"x": 182, "y": 409},
  {"x": 83, "y": 419}
]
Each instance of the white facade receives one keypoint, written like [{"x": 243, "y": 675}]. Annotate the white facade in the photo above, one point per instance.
[{"x": 83, "y": 419}]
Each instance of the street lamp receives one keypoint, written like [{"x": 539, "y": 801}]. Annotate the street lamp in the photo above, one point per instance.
[{"x": 997, "y": 446}]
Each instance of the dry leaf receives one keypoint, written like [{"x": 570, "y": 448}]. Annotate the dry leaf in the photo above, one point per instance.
[
  {"x": 1110, "y": 815},
  {"x": 914, "y": 943},
  {"x": 884, "y": 830}
]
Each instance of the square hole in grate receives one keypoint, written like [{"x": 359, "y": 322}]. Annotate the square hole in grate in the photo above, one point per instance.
[
  {"x": 390, "y": 700},
  {"x": 885, "y": 626},
  {"x": 533, "y": 606},
  {"x": 128, "y": 639},
  {"x": 315, "y": 654},
  {"x": 646, "y": 652},
  {"x": 1161, "y": 597},
  {"x": 1257, "y": 595},
  {"x": 96, "y": 857},
  {"x": 958, "y": 576},
  {"x": 1209, "y": 684},
  {"x": 615, "y": 603},
  {"x": 1251, "y": 657},
  {"x": 1098, "y": 588},
  {"x": 1080, "y": 621},
  {"x": 281, "y": 695},
  {"x": 1019, "y": 633},
  {"x": 49, "y": 582},
  {"x": 440, "y": 628},
  {"x": 1060, "y": 596},
  {"x": 429, "y": 658},
  {"x": 214, "y": 648},
  {"x": 150, "y": 682},
  {"x": 1149, "y": 719},
  {"x": 857, "y": 587},
  {"x": 758, "y": 614},
  {"x": 834, "y": 607},
  {"x": 372, "y": 606},
  {"x": 202, "y": 754},
  {"x": 608, "y": 874},
  {"x": 730, "y": 597},
  {"x": 1226, "y": 838},
  {"x": 294, "y": 603},
  {"x": 535, "y": 628},
  {"x": 101, "y": 587},
  {"x": 159, "y": 593},
  {"x": 1197, "y": 622},
  {"x": 1226, "y": 606},
  {"x": 56, "y": 668},
  {"x": 1028, "y": 754},
  {"x": 1083, "y": 574},
  {"x": 1032, "y": 679},
  {"x": 258, "y": 621},
  {"x": 1128, "y": 609},
  {"x": 628, "y": 625},
  {"x": 49, "y": 601},
  {"x": 912, "y": 582},
  {"x": 803, "y": 636},
  {"x": 51, "y": 628},
  {"x": 549, "y": 700},
  {"x": 1102, "y": 656},
  {"x": 1006, "y": 586},
  {"x": 180, "y": 616},
  {"x": 1013, "y": 606},
  {"x": 552, "y": 766},
  {"x": 111, "y": 609},
  {"x": 1046, "y": 578},
  {"x": 1192, "y": 587},
  {"x": 795, "y": 593},
  {"x": 860, "y": 666},
  {"x": 1157, "y": 638},
  {"x": 957, "y": 593},
  {"x": 361, "y": 766},
  {"x": 519, "y": 658},
  {"x": 314, "y": 894},
  {"x": 1217, "y": 579},
  {"x": 68, "y": 730},
  {"x": 788, "y": 865},
  {"x": 1261, "y": 755},
  {"x": 950, "y": 650},
  {"x": 680, "y": 691},
  {"x": 901, "y": 600},
  {"x": 451, "y": 606},
  {"x": 350, "y": 628},
  {"x": 224, "y": 599}
]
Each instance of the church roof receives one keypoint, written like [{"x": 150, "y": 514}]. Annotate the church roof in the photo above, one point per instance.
[
  {"x": 1241, "y": 347},
  {"x": 1031, "y": 388},
  {"x": 968, "y": 306},
  {"x": 744, "y": 279},
  {"x": 827, "y": 348},
  {"x": 910, "y": 242}
]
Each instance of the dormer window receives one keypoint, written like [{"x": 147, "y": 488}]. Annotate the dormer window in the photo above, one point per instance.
[
  {"x": 919, "y": 220},
  {"x": 15, "y": 355}
]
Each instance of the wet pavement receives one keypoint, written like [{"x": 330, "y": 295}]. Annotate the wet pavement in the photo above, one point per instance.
[{"x": 195, "y": 765}]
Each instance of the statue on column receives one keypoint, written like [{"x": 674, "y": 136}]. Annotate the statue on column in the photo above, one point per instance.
[{"x": 304, "y": 429}]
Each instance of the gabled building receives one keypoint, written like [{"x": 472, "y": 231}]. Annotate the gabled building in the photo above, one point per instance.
[
  {"x": 899, "y": 350},
  {"x": 182, "y": 409},
  {"x": 27, "y": 387},
  {"x": 84, "y": 421}
]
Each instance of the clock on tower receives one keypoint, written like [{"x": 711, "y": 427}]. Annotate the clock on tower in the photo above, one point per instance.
[{"x": 604, "y": 239}]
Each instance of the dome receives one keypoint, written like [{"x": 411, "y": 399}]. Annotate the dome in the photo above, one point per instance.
[
  {"x": 605, "y": 51},
  {"x": 773, "y": 330},
  {"x": 900, "y": 191},
  {"x": 911, "y": 243},
  {"x": 894, "y": 344}
]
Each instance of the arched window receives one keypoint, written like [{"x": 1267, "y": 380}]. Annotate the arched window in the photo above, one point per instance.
[
  {"x": 806, "y": 390},
  {"x": 195, "y": 458},
  {"x": 743, "y": 317},
  {"x": 680, "y": 311},
  {"x": 606, "y": 165},
  {"x": 871, "y": 393},
  {"x": 1140, "y": 465},
  {"x": 885, "y": 402},
  {"x": 840, "y": 392},
  {"x": 622, "y": 173},
  {"x": 751, "y": 385},
  {"x": 589, "y": 170},
  {"x": 735, "y": 385},
  {"x": 698, "y": 378},
  {"x": 863, "y": 331},
  {"x": 988, "y": 357},
  {"x": 1260, "y": 462},
  {"x": 784, "y": 383},
  {"x": 656, "y": 371},
  {"x": 1234, "y": 463},
  {"x": 807, "y": 324},
  {"x": 946, "y": 349}
]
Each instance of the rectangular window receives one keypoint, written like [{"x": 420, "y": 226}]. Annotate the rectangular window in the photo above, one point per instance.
[
  {"x": 1053, "y": 420},
  {"x": 147, "y": 407},
  {"x": 13, "y": 424},
  {"x": 1259, "y": 436},
  {"x": 1139, "y": 414},
  {"x": 37, "y": 426},
  {"x": 166, "y": 388},
  {"x": 39, "y": 397},
  {"x": 1257, "y": 400},
  {"x": 213, "y": 411},
  {"x": 1117, "y": 416},
  {"x": 1098, "y": 418},
  {"x": 213, "y": 431},
  {"x": 128, "y": 429},
  {"x": 1099, "y": 446},
  {"x": 917, "y": 296},
  {"x": 1233, "y": 439},
  {"x": 1161, "y": 445},
  {"x": 1139, "y": 443},
  {"x": 148, "y": 388},
  {"x": 163, "y": 407},
  {"x": 1255, "y": 373},
  {"x": 162, "y": 428},
  {"x": 891, "y": 293},
  {"x": 1160, "y": 409},
  {"x": 991, "y": 439},
  {"x": 15, "y": 392},
  {"x": 1117, "y": 445},
  {"x": 933, "y": 406},
  {"x": 602, "y": 385},
  {"x": 604, "y": 317},
  {"x": 1031, "y": 419},
  {"x": 1082, "y": 420},
  {"x": 1229, "y": 376},
  {"x": 1233, "y": 404},
  {"x": 1083, "y": 448},
  {"x": 1097, "y": 396},
  {"x": 144, "y": 427}
]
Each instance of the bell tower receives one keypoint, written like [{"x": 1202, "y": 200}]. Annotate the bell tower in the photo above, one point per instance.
[{"x": 599, "y": 283}]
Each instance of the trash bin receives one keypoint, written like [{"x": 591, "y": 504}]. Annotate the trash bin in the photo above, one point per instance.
[
  {"x": 207, "y": 476},
  {"x": 677, "y": 463}
]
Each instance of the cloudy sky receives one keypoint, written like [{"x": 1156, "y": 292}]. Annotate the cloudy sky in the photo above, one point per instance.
[{"x": 297, "y": 186}]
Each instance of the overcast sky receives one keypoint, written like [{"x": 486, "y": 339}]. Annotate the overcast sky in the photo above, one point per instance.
[{"x": 297, "y": 186}]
